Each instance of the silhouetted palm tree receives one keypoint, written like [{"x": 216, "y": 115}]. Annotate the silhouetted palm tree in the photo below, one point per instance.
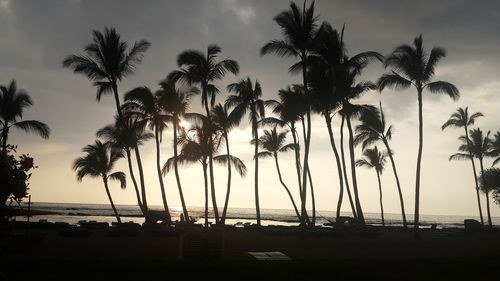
[
  {"x": 495, "y": 148},
  {"x": 225, "y": 121},
  {"x": 299, "y": 28},
  {"x": 461, "y": 119},
  {"x": 272, "y": 142},
  {"x": 128, "y": 136},
  {"x": 13, "y": 102},
  {"x": 143, "y": 103},
  {"x": 196, "y": 147},
  {"x": 289, "y": 109},
  {"x": 476, "y": 146},
  {"x": 375, "y": 159},
  {"x": 372, "y": 129},
  {"x": 412, "y": 66},
  {"x": 175, "y": 102},
  {"x": 106, "y": 61},
  {"x": 99, "y": 161},
  {"x": 490, "y": 182},
  {"x": 201, "y": 69},
  {"x": 247, "y": 98}
]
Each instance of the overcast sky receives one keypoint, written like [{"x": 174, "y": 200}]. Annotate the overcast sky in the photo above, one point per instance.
[{"x": 37, "y": 35}]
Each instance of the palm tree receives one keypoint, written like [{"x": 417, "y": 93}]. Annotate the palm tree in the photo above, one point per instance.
[
  {"x": 13, "y": 102},
  {"x": 375, "y": 159},
  {"x": 201, "y": 69},
  {"x": 272, "y": 142},
  {"x": 490, "y": 182},
  {"x": 196, "y": 147},
  {"x": 372, "y": 129},
  {"x": 299, "y": 28},
  {"x": 412, "y": 66},
  {"x": 144, "y": 104},
  {"x": 495, "y": 148},
  {"x": 476, "y": 146},
  {"x": 99, "y": 160},
  {"x": 289, "y": 109},
  {"x": 176, "y": 102},
  {"x": 127, "y": 136},
  {"x": 247, "y": 98},
  {"x": 225, "y": 121},
  {"x": 461, "y": 119},
  {"x": 106, "y": 61}
]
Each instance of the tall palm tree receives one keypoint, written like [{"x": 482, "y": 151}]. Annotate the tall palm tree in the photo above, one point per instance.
[
  {"x": 225, "y": 121},
  {"x": 495, "y": 148},
  {"x": 272, "y": 142},
  {"x": 372, "y": 129},
  {"x": 128, "y": 136},
  {"x": 144, "y": 104},
  {"x": 99, "y": 161},
  {"x": 476, "y": 146},
  {"x": 299, "y": 28},
  {"x": 490, "y": 182},
  {"x": 106, "y": 61},
  {"x": 289, "y": 110},
  {"x": 175, "y": 102},
  {"x": 461, "y": 119},
  {"x": 13, "y": 102},
  {"x": 196, "y": 148},
  {"x": 247, "y": 98},
  {"x": 375, "y": 159},
  {"x": 201, "y": 69},
  {"x": 411, "y": 66}
]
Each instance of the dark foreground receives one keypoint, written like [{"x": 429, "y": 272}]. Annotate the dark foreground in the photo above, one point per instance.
[{"x": 222, "y": 254}]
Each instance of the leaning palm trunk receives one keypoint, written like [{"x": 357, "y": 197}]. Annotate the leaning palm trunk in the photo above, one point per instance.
[
  {"x": 211, "y": 168},
  {"x": 286, "y": 187},
  {"x": 160, "y": 178},
  {"x": 405, "y": 224},
  {"x": 297, "y": 166},
  {"x": 134, "y": 181},
  {"x": 256, "y": 152},
  {"x": 487, "y": 196},
  {"x": 226, "y": 203},
  {"x": 359, "y": 211},
  {"x": 419, "y": 160},
  {"x": 475, "y": 175},
  {"x": 206, "y": 192},
  {"x": 328, "y": 121},
  {"x": 105, "y": 180},
  {"x": 380, "y": 198},
  {"x": 344, "y": 168},
  {"x": 176, "y": 170},
  {"x": 141, "y": 177},
  {"x": 313, "y": 200}
]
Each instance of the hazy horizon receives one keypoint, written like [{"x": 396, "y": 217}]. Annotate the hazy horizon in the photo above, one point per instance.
[{"x": 38, "y": 36}]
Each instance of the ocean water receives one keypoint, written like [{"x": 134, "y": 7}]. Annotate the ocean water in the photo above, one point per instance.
[{"x": 73, "y": 213}]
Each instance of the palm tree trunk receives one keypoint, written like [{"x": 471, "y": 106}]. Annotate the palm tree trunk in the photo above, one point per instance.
[
  {"x": 206, "y": 191},
  {"x": 475, "y": 175},
  {"x": 344, "y": 168},
  {"x": 256, "y": 159},
  {"x": 328, "y": 121},
  {"x": 403, "y": 213},
  {"x": 5, "y": 135},
  {"x": 284, "y": 186},
  {"x": 313, "y": 200},
  {"x": 141, "y": 177},
  {"x": 134, "y": 181},
  {"x": 298, "y": 168},
  {"x": 307, "y": 139},
  {"x": 211, "y": 166},
  {"x": 105, "y": 180},
  {"x": 117, "y": 100},
  {"x": 381, "y": 204},
  {"x": 419, "y": 160},
  {"x": 226, "y": 203},
  {"x": 160, "y": 178},
  {"x": 359, "y": 211},
  {"x": 487, "y": 196},
  {"x": 176, "y": 170}
]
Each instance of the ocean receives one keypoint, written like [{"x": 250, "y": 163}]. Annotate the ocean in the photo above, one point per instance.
[{"x": 73, "y": 213}]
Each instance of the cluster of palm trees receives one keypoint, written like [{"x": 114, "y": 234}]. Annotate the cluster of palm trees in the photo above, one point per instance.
[
  {"x": 474, "y": 144},
  {"x": 330, "y": 85}
]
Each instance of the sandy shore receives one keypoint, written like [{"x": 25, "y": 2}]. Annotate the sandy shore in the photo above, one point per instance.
[{"x": 370, "y": 252}]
